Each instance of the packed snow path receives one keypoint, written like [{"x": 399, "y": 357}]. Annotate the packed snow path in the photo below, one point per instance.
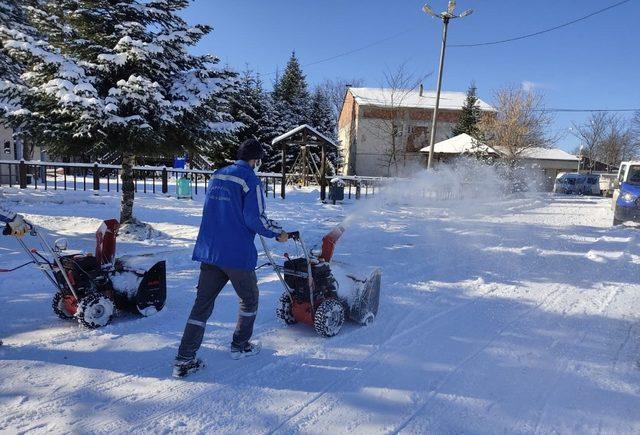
[{"x": 512, "y": 315}]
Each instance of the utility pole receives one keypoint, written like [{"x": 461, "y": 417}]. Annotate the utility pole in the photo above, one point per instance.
[{"x": 445, "y": 17}]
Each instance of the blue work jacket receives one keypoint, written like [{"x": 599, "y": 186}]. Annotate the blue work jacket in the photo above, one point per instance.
[{"x": 233, "y": 213}]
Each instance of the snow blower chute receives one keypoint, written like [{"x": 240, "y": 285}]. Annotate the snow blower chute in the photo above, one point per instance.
[
  {"x": 313, "y": 295},
  {"x": 91, "y": 287}
]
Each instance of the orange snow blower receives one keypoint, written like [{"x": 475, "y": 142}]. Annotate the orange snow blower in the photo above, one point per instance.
[
  {"x": 313, "y": 295},
  {"x": 90, "y": 288}
]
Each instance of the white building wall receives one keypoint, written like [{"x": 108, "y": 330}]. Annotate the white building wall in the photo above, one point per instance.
[{"x": 373, "y": 145}]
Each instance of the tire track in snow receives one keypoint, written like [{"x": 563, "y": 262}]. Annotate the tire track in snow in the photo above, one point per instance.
[
  {"x": 242, "y": 372},
  {"x": 470, "y": 357},
  {"x": 232, "y": 368},
  {"x": 561, "y": 374},
  {"x": 622, "y": 345},
  {"x": 61, "y": 400},
  {"x": 145, "y": 423},
  {"x": 384, "y": 345}
]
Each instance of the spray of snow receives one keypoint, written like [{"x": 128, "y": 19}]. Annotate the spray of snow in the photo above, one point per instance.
[{"x": 465, "y": 184}]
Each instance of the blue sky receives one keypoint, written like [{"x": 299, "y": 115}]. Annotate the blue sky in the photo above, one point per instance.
[{"x": 591, "y": 64}]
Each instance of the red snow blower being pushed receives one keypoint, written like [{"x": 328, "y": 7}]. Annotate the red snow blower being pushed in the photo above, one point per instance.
[
  {"x": 90, "y": 287},
  {"x": 312, "y": 293}
]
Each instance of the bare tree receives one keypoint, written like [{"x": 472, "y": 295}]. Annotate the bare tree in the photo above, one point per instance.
[
  {"x": 635, "y": 129},
  {"x": 591, "y": 134},
  {"x": 520, "y": 124},
  {"x": 617, "y": 144},
  {"x": 391, "y": 117},
  {"x": 608, "y": 138},
  {"x": 336, "y": 89}
]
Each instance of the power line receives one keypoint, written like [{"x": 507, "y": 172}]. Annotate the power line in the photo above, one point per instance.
[
  {"x": 355, "y": 50},
  {"x": 529, "y": 35},
  {"x": 590, "y": 110},
  {"x": 410, "y": 29}
]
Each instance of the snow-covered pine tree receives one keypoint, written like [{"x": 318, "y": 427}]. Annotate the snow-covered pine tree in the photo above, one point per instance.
[
  {"x": 291, "y": 107},
  {"x": 13, "y": 20},
  {"x": 322, "y": 118},
  {"x": 267, "y": 127},
  {"x": 117, "y": 77},
  {"x": 251, "y": 107},
  {"x": 292, "y": 85},
  {"x": 243, "y": 107},
  {"x": 470, "y": 115}
]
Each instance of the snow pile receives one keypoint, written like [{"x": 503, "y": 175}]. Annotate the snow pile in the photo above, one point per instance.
[
  {"x": 139, "y": 231},
  {"x": 126, "y": 283},
  {"x": 22, "y": 197}
]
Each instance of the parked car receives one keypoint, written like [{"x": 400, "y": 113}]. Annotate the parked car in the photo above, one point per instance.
[
  {"x": 626, "y": 196},
  {"x": 577, "y": 184},
  {"x": 591, "y": 185},
  {"x": 564, "y": 183},
  {"x": 607, "y": 184}
]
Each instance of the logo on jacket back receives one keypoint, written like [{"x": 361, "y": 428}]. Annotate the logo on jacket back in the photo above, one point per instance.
[{"x": 219, "y": 193}]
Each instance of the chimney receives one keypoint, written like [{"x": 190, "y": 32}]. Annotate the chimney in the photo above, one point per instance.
[{"x": 421, "y": 89}]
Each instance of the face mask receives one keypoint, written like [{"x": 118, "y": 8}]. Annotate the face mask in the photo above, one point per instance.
[{"x": 256, "y": 168}]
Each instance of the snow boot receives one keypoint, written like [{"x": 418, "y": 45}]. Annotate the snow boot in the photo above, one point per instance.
[
  {"x": 182, "y": 368},
  {"x": 249, "y": 349}
]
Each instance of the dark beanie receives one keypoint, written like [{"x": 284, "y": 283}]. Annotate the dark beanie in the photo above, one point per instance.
[{"x": 250, "y": 149}]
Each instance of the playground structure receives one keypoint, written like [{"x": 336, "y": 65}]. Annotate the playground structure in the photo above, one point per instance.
[{"x": 304, "y": 166}]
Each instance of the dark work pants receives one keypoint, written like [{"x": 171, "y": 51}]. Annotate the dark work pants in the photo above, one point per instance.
[{"x": 212, "y": 280}]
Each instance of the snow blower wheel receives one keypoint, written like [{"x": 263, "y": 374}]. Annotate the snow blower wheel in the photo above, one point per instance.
[
  {"x": 368, "y": 319},
  {"x": 329, "y": 318},
  {"x": 62, "y": 305},
  {"x": 95, "y": 311},
  {"x": 284, "y": 311}
]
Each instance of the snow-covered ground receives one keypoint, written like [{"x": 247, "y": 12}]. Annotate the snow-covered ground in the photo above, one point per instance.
[{"x": 517, "y": 314}]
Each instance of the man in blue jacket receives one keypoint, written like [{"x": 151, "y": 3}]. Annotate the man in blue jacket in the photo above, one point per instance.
[{"x": 233, "y": 214}]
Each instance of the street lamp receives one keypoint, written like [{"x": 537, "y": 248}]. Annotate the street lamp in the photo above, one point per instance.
[
  {"x": 445, "y": 17},
  {"x": 580, "y": 159}
]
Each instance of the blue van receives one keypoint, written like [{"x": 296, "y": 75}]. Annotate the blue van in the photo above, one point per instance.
[{"x": 626, "y": 196}]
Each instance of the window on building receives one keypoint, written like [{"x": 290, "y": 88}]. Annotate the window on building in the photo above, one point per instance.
[
  {"x": 6, "y": 148},
  {"x": 418, "y": 138}
]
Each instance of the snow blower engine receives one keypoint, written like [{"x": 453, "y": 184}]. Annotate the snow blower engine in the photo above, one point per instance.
[
  {"x": 312, "y": 293},
  {"x": 91, "y": 287}
]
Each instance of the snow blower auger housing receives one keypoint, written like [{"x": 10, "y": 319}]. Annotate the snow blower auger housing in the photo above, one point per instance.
[
  {"x": 312, "y": 294},
  {"x": 91, "y": 287}
]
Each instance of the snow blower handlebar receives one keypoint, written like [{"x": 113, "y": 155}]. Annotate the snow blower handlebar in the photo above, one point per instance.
[
  {"x": 280, "y": 270},
  {"x": 294, "y": 235},
  {"x": 33, "y": 255}
]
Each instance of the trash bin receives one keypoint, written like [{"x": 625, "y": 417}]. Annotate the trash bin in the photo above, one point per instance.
[
  {"x": 336, "y": 190},
  {"x": 183, "y": 188}
]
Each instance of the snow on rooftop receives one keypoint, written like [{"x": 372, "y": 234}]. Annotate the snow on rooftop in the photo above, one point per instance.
[
  {"x": 461, "y": 144},
  {"x": 386, "y": 97},
  {"x": 299, "y": 129},
  {"x": 548, "y": 154}
]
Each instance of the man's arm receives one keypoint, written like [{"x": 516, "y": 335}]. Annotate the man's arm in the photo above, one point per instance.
[{"x": 254, "y": 215}]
